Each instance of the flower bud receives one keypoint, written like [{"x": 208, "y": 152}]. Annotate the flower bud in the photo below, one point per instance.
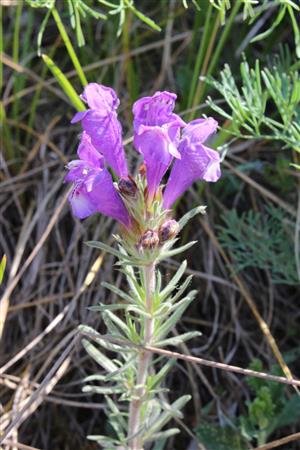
[
  {"x": 168, "y": 230},
  {"x": 127, "y": 187},
  {"x": 149, "y": 240}
]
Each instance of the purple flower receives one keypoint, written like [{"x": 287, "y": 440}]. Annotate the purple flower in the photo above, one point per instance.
[
  {"x": 93, "y": 189},
  {"x": 156, "y": 135},
  {"x": 101, "y": 123},
  {"x": 197, "y": 161}
]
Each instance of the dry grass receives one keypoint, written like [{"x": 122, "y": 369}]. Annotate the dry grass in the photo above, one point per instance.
[{"x": 52, "y": 277}]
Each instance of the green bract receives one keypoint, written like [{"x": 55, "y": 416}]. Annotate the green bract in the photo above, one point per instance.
[{"x": 132, "y": 324}]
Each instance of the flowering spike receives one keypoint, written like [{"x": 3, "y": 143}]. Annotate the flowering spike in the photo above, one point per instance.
[
  {"x": 93, "y": 189},
  {"x": 102, "y": 125},
  {"x": 156, "y": 134},
  {"x": 140, "y": 205},
  {"x": 197, "y": 161}
]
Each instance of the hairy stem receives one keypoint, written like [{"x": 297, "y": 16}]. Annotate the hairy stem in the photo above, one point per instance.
[{"x": 144, "y": 359}]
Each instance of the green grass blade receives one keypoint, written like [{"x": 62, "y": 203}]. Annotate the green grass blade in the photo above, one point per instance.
[
  {"x": 64, "y": 83},
  {"x": 69, "y": 47},
  {"x": 200, "y": 56},
  {"x": 2, "y": 267}
]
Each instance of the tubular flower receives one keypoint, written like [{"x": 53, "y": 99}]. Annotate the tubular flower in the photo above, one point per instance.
[
  {"x": 93, "y": 189},
  {"x": 197, "y": 161},
  {"x": 156, "y": 135},
  {"x": 100, "y": 122}
]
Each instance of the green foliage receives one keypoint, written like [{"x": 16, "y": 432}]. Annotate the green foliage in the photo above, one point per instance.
[
  {"x": 2, "y": 267},
  {"x": 261, "y": 240},
  {"x": 285, "y": 8},
  {"x": 79, "y": 10},
  {"x": 266, "y": 106},
  {"x": 269, "y": 410},
  {"x": 253, "y": 9},
  {"x": 225, "y": 5},
  {"x": 214, "y": 437},
  {"x": 64, "y": 84},
  {"x": 76, "y": 9}
]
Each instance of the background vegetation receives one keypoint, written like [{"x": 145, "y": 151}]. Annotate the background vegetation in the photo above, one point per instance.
[{"x": 236, "y": 60}]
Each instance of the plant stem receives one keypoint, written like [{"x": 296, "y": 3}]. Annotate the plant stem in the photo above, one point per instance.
[
  {"x": 69, "y": 46},
  {"x": 144, "y": 360}
]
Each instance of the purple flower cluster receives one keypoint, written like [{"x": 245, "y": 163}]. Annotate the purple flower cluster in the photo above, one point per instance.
[{"x": 160, "y": 136}]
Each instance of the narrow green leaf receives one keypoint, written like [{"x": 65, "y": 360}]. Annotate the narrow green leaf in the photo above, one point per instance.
[
  {"x": 106, "y": 341},
  {"x": 170, "y": 411},
  {"x": 119, "y": 323},
  {"x": 102, "y": 307},
  {"x": 155, "y": 380},
  {"x": 41, "y": 32},
  {"x": 120, "y": 293},
  {"x": 177, "y": 250},
  {"x": 189, "y": 215},
  {"x": 69, "y": 46},
  {"x": 107, "y": 249},
  {"x": 145, "y": 19},
  {"x": 122, "y": 369},
  {"x": 100, "y": 359},
  {"x": 181, "y": 289},
  {"x": 102, "y": 390},
  {"x": 176, "y": 340},
  {"x": 191, "y": 295},
  {"x": 173, "y": 283},
  {"x": 105, "y": 441},
  {"x": 297, "y": 166},
  {"x": 167, "y": 326},
  {"x": 94, "y": 377},
  {"x": 2, "y": 267},
  {"x": 64, "y": 83},
  {"x": 117, "y": 413},
  {"x": 164, "y": 434},
  {"x": 274, "y": 25}
]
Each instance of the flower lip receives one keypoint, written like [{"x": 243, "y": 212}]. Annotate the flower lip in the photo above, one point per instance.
[
  {"x": 100, "y": 97},
  {"x": 197, "y": 160},
  {"x": 198, "y": 131},
  {"x": 93, "y": 189},
  {"x": 156, "y": 110}
]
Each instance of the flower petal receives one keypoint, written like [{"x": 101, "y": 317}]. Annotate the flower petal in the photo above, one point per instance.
[
  {"x": 106, "y": 137},
  {"x": 155, "y": 110},
  {"x": 81, "y": 205},
  {"x": 199, "y": 130},
  {"x": 156, "y": 134},
  {"x": 100, "y": 97},
  {"x": 154, "y": 144},
  {"x": 87, "y": 152},
  {"x": 106, "y": 199},
  {"x": 78, "y": 116},
  {"x": 76, "y": 168},
  {"x": 197, "y": 162}
]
